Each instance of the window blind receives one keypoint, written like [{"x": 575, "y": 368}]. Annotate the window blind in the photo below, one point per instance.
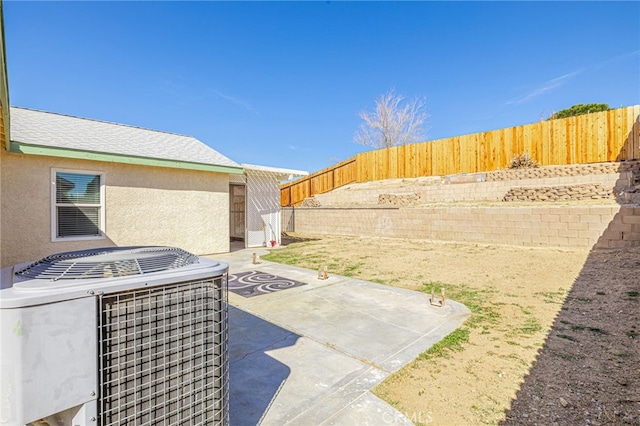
[
  {"x": 78, "y": 204},
  {"x": 78, "y": 221}
]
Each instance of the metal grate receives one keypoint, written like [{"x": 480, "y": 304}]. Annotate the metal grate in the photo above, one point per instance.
[
  {"x": 108, "y": 262},
  {"x": 164, "y": 355}
]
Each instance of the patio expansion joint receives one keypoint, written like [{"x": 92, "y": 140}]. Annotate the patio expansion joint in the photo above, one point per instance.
[
  {"x": 345, "y": 408},
  {"x": 344, "y": 386},
  {"x": 458, "y": 317},
  {"x": 350, "y": 355}
]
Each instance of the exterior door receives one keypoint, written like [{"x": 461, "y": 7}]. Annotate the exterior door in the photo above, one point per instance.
[{"x": 237, "y": 203}]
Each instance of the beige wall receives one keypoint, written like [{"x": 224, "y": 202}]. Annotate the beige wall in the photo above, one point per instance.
[
  {"x": 435, "y": 192},
  {"x": 144, "y": 206},
  {"x": 555, "y": 226}
]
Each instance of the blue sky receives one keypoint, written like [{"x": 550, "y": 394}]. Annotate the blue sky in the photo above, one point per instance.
[{"x": 281, "y": 83}]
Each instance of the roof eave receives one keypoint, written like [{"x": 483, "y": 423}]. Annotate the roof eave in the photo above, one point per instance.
[
  {"x": 274, "y": 170},
  {"x": 29, "y": 149}
]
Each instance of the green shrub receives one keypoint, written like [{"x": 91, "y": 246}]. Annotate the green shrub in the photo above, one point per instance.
[{"x": 579, "y": 109}]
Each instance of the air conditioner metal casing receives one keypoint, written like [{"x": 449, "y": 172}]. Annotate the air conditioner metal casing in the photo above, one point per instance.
[{"x": 50, "y": 338}]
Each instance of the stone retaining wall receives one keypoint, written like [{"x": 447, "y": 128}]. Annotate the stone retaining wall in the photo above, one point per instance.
[
  {"x": 446, "y": 193},
  {"x": 413, "y": 208},
  {"x": 553, "y": 226},
  {"x": 559, "y": 171},
  {"x": 399, "y": 199},
  {"x": 492, "y": 186},
  {"x": 593, "y": 191}
]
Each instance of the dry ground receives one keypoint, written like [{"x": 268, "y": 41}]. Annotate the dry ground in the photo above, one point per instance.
[{"x": 553, "y": 337}]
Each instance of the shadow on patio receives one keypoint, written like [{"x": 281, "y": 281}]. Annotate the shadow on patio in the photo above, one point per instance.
[{"x": 255, "y": 377}]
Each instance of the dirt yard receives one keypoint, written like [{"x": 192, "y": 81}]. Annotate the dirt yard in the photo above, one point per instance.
[{"x": 553, "y": 337}]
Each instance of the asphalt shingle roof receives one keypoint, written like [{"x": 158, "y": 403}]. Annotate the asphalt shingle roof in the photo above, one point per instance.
[{"x": 62, "y": 131}]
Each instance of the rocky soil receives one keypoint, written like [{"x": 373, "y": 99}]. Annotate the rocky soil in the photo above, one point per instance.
[
  {"x": 588, "y": 371},
  {"x": 554, "y": 338}
]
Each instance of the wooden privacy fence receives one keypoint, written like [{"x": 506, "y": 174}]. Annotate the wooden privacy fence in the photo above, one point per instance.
[
  {"x": 319, "y": 182},
  {"x": 606, "y": 136}
]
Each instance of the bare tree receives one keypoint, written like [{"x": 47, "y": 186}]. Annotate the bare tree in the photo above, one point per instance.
[{"x": 395, "y": 121}]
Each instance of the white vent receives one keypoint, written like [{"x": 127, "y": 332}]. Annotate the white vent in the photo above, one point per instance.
[
  {"x": 115, "y": 336},
  {"x": 107, "y": 263}
]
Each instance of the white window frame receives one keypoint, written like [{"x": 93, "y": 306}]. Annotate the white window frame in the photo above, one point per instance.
[{"x": 55, "y": 205}]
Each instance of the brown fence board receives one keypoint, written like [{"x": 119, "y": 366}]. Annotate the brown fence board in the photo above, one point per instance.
[
  {"x": 625, "y": 149},
  {"x": 612, "y": 135},
  {"x": 293, "y": 193},
  {"x": 632, "y": 134}
]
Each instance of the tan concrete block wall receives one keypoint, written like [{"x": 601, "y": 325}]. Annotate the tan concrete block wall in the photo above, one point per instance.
[
  {"x": 623, "y": 230},
  {"x": 576, "y": 227}
]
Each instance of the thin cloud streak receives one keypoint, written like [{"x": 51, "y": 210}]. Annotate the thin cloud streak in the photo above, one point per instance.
[
  {"x": 616, "y": 58},
  {"x": 559, "y": 81},
  {"x": 544, "y": 88},
  {"x": 236, "y": 101}
]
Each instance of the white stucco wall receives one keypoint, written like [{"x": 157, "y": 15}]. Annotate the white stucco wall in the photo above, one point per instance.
[{"x": 144, "y": 206}]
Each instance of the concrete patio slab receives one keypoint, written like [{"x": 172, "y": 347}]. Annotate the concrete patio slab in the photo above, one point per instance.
[{"x": 309, "y": 355}]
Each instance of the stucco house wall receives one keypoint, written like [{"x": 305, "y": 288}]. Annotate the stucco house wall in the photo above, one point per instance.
[{"x": 140, "y": 205}]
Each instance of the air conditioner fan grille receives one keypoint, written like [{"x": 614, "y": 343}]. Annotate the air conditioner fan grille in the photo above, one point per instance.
[{"x": 107, "y": 262}]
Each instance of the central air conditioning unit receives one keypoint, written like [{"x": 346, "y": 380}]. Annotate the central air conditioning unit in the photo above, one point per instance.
[{"x": 115, "y": 336}]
